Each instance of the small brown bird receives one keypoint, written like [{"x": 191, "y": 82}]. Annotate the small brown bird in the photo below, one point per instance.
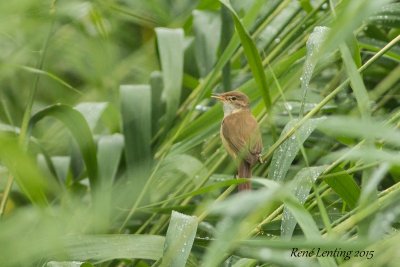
[{"x": 240, "y": 133}]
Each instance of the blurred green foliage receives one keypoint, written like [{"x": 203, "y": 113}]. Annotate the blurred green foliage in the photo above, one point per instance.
[{"x": 109, "y": 143}]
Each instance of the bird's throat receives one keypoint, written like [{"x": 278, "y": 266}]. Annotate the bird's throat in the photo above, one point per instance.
[{"x": 230, "y": 109}]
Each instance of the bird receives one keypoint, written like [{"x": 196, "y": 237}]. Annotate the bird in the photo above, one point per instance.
[{"x": 240, "y": 134}]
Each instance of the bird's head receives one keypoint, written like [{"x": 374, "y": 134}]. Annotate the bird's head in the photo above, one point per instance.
[{"x": 233, "y": 101}]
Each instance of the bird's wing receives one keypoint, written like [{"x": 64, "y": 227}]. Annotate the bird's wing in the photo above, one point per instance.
[{"x": 244, "y": 138}]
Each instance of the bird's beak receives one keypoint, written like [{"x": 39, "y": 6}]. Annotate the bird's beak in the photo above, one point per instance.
[{"x": 218, "y": 97}]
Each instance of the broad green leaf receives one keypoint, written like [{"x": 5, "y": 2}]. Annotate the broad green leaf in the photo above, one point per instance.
[
  {"x": 77, "y": 125},
  {"x": 301, "y": 187},
  {"x": 108, "y": 247},
  {"x": 314, "y": 43},
  {"x": 206, "y": 27},
  {"x": 109, "y": 154},
  {"x": 287, "y": 151},
  {"x": 170, "y": 46},
  {"x": 136, "y": 120},
  {"x": 345, "y": 186},
  {"x": 253, "y": 57},
  {"x": 179, "y": 239}
]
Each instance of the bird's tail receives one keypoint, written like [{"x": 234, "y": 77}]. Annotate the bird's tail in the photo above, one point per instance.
[{"x": 244, "y": 172}]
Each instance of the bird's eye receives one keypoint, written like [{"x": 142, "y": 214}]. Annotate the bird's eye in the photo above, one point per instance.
[{"x": 233, "y": 98}]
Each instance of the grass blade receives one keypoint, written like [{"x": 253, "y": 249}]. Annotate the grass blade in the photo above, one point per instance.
[
  {"x": 356, "y": 82},
  {"x": 253, "y": 57},
  {"x": 205, "y": 24},
  {"x": 301, "y": 187},
  {"x": 287, "y": 151},
  {"x": 107, "y": 247},
  {"x": 345, "y": 186},
  {"x": 170, "y": 46},
  {"x": 179, "y": 240},
  {"x": 28, "y": 177},
  {"x": 136, "y": 120},
  {"x": 77, "y": 125}
]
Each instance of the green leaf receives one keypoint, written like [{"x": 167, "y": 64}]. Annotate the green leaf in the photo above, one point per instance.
[
  {"x": 171, "y": 49},
  {"x": 345, "y": 186},
  {"x": 287, "y": 151},
  {"x": 179, "y": 240},
  {"x": 356, "y": 81},
  {"x": 109, "y": 154},
  {"x": 301, "y": 187},
  {"x": 108, "y": 247},
  {"x": 77, "y": 125},
  {"x": 31, "y": 181},
  {"x": 157, "y": 107},
  {"x": 136, "y": 120},
  {"x": 206, "y": 27},
  {"x": 253, "y": 57},
  {"x": 314, "y": 42}
]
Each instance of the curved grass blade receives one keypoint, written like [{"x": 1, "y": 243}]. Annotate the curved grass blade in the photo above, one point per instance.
[
  {"x": 52, "y": 76},
  {"x": 179, "y": 240},
  {"x": 77, "y": 125}
]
